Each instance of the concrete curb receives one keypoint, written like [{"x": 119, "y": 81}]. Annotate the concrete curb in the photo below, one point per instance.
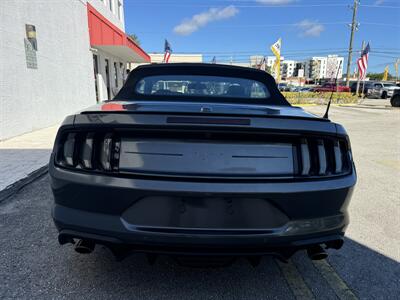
[{"x": 20, "y": 184}]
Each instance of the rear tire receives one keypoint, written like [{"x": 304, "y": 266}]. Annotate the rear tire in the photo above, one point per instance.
[{"x": 395, "y": 101}]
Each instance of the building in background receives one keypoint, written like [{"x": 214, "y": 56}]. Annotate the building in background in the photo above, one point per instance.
[
  {"x": 334, "y": 66},
  {"x": 324, "y": 67},
  {"x": 174, "y": 58},
  {"x": 316, "y": 68},
  {"x": 288, "y": 68},
  {"x": 59, "y": 57}
]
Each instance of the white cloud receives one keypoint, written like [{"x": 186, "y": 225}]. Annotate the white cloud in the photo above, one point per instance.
[
  {"x": 275, "y": 2},
  {"x": 193, "y": 24},
  {"x": 379, "y": 2},
  {"x": 310, "y": 28}
]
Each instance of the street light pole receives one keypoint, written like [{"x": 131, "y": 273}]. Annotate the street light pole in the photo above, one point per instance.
[{"x": 353, "y": 29}]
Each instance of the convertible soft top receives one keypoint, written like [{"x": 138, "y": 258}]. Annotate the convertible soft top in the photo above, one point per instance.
[{"x": 127, "y": 92}]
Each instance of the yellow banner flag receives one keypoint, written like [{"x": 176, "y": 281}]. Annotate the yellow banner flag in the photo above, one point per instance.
[
  {"x": 396, "y": 68},
  {"x": 276, "y": 49},
  {"x": 385, "y": 74}
]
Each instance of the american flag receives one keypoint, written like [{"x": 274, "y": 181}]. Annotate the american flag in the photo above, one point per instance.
[
  {"x": 362, "y": 62},
  {"x": 167, "y": 51}
]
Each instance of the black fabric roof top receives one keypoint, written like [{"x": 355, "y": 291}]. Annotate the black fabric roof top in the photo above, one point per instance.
[{"x": 127, "y": 92}]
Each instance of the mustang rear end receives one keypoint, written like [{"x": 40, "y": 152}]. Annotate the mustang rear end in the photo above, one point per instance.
[{"x": 202, "y": 160}]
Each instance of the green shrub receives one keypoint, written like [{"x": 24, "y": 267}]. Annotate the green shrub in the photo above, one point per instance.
[{"x": 319, "y": 98}]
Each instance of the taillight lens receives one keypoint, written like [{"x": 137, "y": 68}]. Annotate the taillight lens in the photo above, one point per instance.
[
  {"x": 89, "y": 151},
  {"x": 69, "y": 150},
  {"x": 324, "y": 156},
  {"x": 105, "y": 152}
]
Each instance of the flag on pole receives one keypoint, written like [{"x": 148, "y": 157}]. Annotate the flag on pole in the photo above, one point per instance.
[
  {"x": 276, "y": 49},
  {"x": 385, "y": 74},
  {"x": 167, "y": 52},
  {"x": 362, "y": 62},
  {"x": 396, "y": 68},
  {"x": 214, "y": 60}
]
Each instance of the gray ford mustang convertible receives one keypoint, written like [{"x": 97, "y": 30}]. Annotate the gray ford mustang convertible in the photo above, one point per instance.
[{"x": 201, "y": 160}]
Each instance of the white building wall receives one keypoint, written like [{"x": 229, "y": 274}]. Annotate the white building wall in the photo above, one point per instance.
[
  {"x": 175, "y": 58},
  {"x": 63, "y": 83},
  {"x": 288, "y": 67},
  {"x": 332, "y": 66},
  {"x": 109, "y": 9}
]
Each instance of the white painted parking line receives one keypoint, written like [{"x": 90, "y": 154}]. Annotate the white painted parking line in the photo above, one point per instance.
[
  {"x": 340, "y": 288},
  {"x": 295, "y": 281}
]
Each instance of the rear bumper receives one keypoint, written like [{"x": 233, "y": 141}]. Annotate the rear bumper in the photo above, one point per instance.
[{"x": 102, "y": 209}]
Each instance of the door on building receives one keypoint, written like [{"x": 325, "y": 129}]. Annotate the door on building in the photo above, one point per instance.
[
  {"x": 96, "y": 73},
  {"x": 108, "y": 83}
]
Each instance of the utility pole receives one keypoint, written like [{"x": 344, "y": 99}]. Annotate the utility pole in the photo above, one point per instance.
[
  {"x": 354, "y": 26},
  {"x": 358, "y": 71}
]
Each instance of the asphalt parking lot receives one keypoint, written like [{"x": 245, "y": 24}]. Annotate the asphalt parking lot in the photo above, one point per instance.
[{"x": 33, "y": 265}]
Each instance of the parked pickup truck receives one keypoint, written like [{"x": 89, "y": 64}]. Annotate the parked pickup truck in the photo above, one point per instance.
[
  {"x": 382, "y": 90},
  {"x": 331, "y": 87}
]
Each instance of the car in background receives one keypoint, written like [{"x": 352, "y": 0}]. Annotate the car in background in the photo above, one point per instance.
[
  {"x": 284, "y": 87},
  {"x": 395, "y": 100},
  {"x": 331, "y": 87},
  {"x": 382, "y": 90},
  {"x": 362, "y": 89},
  {"x": 305, "y": 89},
  {"x": 201, "y": 160}
]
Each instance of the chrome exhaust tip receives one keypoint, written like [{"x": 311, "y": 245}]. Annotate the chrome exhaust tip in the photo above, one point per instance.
[
  {"x": 84, "y": 246},
  {"x": 316, "y": 253}
]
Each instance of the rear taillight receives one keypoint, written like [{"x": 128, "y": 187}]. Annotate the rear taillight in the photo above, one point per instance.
[
  {"x": 89, "y": 151},
  {"x": 324, "y": 157}
]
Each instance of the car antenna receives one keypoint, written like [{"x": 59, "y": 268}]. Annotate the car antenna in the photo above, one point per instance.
[{"x": 330, "y": 99}]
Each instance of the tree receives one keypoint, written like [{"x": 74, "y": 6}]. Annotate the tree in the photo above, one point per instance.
[
  {"x": 135, "y": 38},
  {"x": 379, "y": 76}
]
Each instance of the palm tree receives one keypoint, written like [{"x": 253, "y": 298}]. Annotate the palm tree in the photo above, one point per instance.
[{"x": 135, "y": 38}]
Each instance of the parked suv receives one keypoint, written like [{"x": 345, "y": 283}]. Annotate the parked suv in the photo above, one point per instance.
[
  {"x": 362, "y": 89},
  {"x": 382, "y": 90}
]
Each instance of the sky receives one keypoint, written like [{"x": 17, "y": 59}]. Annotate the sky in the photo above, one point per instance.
[{"x": 236, "y": 29}]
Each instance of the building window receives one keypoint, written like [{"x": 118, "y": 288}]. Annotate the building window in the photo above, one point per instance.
[
  {"x": 115, "y": 74},
  {"x": 119, "y": 9},
  {"x": 111, "y": 5},
  {"x": 107, "y": 67},
  {"x": 121, "y": 69},
  {"x": 96, "y": 72}
]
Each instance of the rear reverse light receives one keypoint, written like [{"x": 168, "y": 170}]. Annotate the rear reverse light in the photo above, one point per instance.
[
  {"x": 69, "y": 149},
  {"x": 87, "y": 151}
]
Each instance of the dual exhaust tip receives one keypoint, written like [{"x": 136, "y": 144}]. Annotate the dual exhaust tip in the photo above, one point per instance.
[{"x": 315, "y": 252}]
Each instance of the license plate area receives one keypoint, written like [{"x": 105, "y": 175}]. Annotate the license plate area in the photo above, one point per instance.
[
  {"x": 205, "y": 158},
  {"x": 165, "y": 213}
]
